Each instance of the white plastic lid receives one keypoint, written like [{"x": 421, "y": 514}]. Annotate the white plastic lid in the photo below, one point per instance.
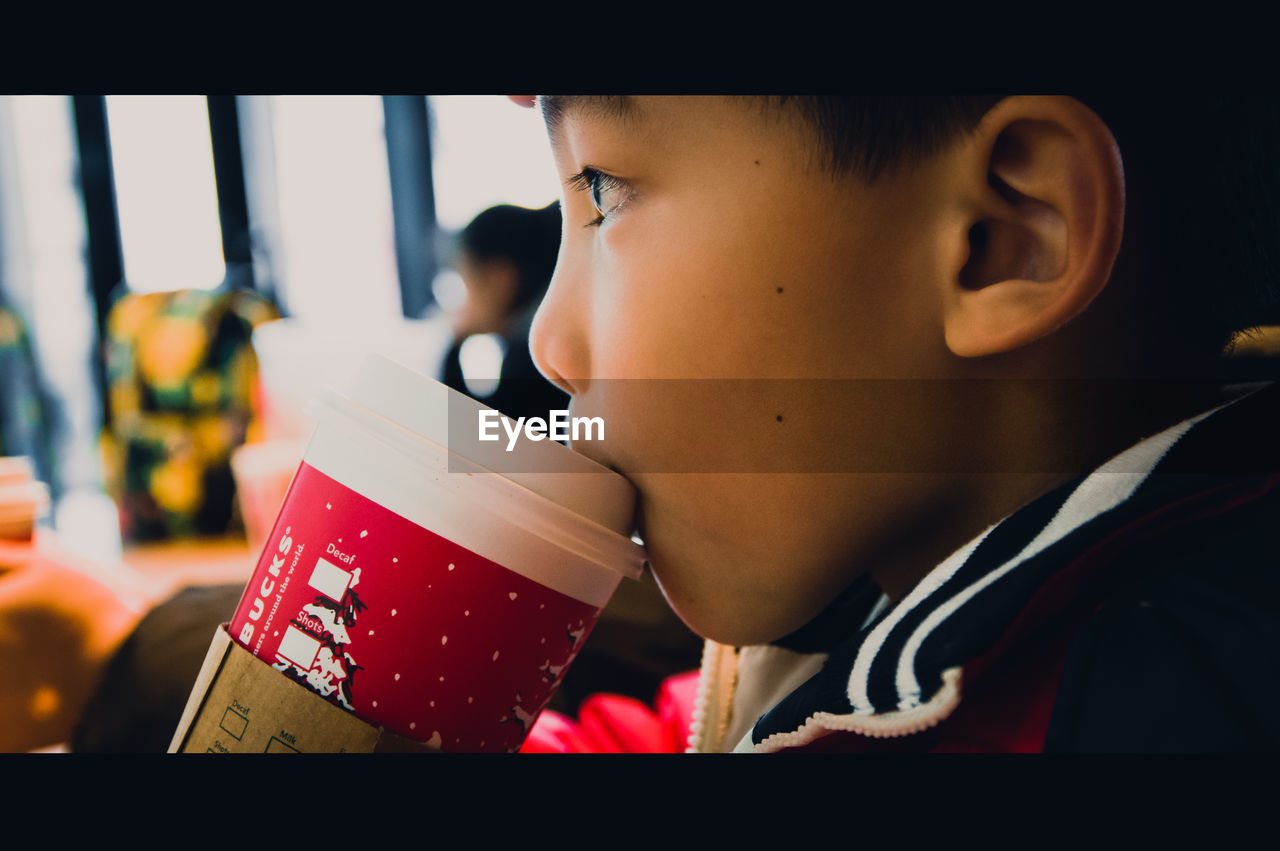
[{"x": 424, "y": 406}]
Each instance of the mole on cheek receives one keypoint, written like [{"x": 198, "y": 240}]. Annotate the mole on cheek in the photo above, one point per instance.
[
  {"x": 779, "y": 290},
  {"x": 779, "y": 417}
]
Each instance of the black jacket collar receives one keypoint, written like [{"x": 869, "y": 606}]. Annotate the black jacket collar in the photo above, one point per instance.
[{"x": 900, "y": 660}]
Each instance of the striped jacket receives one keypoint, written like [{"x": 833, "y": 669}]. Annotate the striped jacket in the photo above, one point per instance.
[{"x": 1136, "y": 608}]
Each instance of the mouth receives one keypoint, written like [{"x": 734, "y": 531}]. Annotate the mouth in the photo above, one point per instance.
[
  {"x": 597, "y": 453},
  {"x": 637, "y": 516}
]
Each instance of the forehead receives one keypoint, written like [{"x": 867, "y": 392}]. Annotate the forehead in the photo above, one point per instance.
[
  {"x": 621, "y": 117},
  {"x": 664, "y": 119},
  {"x": 664, "y": 125},
  {"x": 611, "y": 108}
]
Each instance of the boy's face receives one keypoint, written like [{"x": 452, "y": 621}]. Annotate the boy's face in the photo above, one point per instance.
[{"x": 725, "y": 252}]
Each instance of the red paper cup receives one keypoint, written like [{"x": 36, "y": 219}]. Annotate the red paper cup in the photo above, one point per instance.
[{"x": 407, "y": 582}]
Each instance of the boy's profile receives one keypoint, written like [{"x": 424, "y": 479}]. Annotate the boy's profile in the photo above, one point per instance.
[
  {"x": 963, "y": 307},
  {"x": 932, "y": 409}
]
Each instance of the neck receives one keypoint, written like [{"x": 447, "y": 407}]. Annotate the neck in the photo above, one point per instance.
[{"x": 1021, "y": 440}]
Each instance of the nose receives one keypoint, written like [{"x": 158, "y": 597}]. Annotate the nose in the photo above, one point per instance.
[{"x": 558, "y": 338}]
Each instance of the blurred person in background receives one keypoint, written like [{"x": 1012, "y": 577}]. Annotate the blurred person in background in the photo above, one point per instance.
[{"x": 505, "y": 257}]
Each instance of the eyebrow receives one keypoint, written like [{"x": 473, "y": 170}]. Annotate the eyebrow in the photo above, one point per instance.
[{"x": 555, "y": 108}]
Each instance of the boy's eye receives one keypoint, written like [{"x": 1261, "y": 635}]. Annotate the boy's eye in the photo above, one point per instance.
[{"x": 608, "y": 193}]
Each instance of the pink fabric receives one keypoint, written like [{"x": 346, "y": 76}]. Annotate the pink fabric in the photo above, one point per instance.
[{"x": 612, "y": 723}]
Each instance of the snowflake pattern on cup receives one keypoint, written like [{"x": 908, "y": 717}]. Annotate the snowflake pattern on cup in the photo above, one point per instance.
[{"x": 438, "y": 643}]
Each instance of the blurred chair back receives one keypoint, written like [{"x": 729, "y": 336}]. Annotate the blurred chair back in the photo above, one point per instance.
[{"x": 181, "y": 390}]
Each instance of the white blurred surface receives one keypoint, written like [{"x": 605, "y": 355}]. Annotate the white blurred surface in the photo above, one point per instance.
[
  {"x": 162, "y": 163},
  {"x": 296, "y": 358},
  {"x": 88, "y": 522},
  {"x": 333, "y": 191},
  {"x": 487, "y": 151}
]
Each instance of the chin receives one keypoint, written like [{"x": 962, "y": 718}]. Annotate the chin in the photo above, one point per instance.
[
  {"x": 732, "y": 634},
  {"x": 709, "y": 617}
]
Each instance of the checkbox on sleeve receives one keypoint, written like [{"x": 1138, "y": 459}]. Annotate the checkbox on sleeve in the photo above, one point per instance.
[
  {"x": 298, "y": 647},
  {"x": 329, "y": 579},
  {"x": 234, "y": 724}
]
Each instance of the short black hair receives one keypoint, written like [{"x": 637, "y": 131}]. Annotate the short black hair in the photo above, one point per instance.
[
  {"x": 869, "y": 134},
  {"x": 530, "y": 239},
  {"x": 1202, "y": 175}
]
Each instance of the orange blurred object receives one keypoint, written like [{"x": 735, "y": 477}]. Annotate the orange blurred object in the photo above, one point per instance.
[{"x": 22, "y": 499}]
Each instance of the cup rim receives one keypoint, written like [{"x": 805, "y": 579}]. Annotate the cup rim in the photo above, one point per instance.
[{"x": 532, "y": 511}]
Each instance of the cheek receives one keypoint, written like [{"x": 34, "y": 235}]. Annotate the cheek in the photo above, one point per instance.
[
  {"x": 787, "y": 295},
  {"x": 677, "y": 300},
  {"x": 656, "y": 286},
  {"x": 746, "y": 559}
]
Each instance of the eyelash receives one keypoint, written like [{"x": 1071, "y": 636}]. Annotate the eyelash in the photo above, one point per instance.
[{"x": 595, "y": 183}]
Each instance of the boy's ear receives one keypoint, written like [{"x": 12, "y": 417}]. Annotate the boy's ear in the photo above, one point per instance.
[{"x": 1043, "y": 191}]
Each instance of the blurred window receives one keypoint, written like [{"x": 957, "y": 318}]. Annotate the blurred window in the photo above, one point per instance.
[
  {"x": 321, "y": 215},
  {"x": 162, "y": 162},
  {"x": 46, "y": 278},
  {"x": 485, "y": 151},
  {"x": 331, "y": 193}
]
